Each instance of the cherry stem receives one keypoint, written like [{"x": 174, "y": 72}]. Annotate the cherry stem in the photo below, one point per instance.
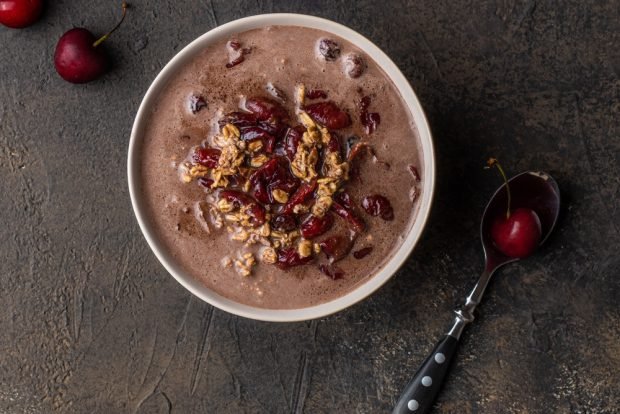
[
  {"x": 105, "y": 36},
  {"x": 492, "y": 162}
]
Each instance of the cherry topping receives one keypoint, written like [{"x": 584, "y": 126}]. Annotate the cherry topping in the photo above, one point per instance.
[
  {"x": 315, "y": 226},
  {"x": 328, "y": 114},
  {"x": 331, "y": 271},
  {"x": 377, "y": 205},
  {"x": 345, "y": 199},
  {"x": 518, "y": 235},
  {"x": 361, "y": 253},
  {"x": 291, "y": 141},
  {"x": 290, "y": 257},
  {"x": 209, "y": 157},
  {"x": 370, "y": 120},
  {"x": 354, "y": 65},
  {"x": 266, "y": 108},
  {"x": 353, "y": 220},
  {"x": 329, "y": 49},
  {"x": 238, "y": 119},
  {"x": 336, "y": 247},
  {"x": 196, "y": 103},
  {"x": 255, "y": 133},
  {"x": 236, "y": 54},
  {"x": 303, "y": 193},
  {"x": 79, "y": 58},
  {"x": 316, "y": 94},
  {"x": 414, "y": 172},
  {"x": 205, "y": 182},
  {"x": 284, "y": 222},
  {"x": 270, "y": 176},
  {"x": 18, "y": 14},
  {"x": 249, "y": 205}
]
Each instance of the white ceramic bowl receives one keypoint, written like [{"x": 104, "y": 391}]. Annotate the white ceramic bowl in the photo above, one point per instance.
[{"x": 428, "y": 173}]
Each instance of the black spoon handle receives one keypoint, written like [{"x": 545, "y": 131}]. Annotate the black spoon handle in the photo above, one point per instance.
[{"x": 419, "y": 395}]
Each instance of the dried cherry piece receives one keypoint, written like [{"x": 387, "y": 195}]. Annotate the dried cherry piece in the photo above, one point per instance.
[
  {"x": 238, "y": 119},
  {"x": 289, "y": 257},
  {"x": 354, "y": 65},
  {"x": 316, "y": 94},
  {"x": 209, "y": 157},
  {"x": 254, "y": 133},
  {"x": 334, "y": 143},
  {"x": 291, "y": 141},
  {"x": 336, "y": 247},
  {"x": 361, "y": 253},
  {"x": 331, "y": 271},
  {"x": 303, "y": 193},
  {"x": 249, "y": 204},
  {"x": 205, "y": 182},
  {"x": 314, "y": 226},
  {"x": 266, "y": 108},
  {"x": 284, "y": 222},
  {"x": 378, "y": 205},
  {"x": 353, "y": 220},
  {"x": 370, "y": 120},
  {"x": 329, "y": 49},
  {"x": 328, "y": 114},
  {"x": 272, "y": 175},
  {"x": 345, "y": 199},
  {"x": 197, "y": 103},
  {"x": 236, "y": 54},
  {"x": 414, "y": 172}
]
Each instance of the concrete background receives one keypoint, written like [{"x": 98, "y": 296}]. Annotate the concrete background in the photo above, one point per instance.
[{"x": 92, "y": 323}]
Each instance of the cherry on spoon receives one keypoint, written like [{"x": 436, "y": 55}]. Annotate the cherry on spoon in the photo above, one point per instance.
[{"x": 533, "y": 192}]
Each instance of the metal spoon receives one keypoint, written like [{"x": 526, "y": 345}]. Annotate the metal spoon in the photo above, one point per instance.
[{"x": 532, "y": 189}]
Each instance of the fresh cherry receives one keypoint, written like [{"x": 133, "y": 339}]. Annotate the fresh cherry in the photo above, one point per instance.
[
  {"x": 79, "y": 57},
  {"x": 18, "y": 14},
  {"x": 516, "y": 233}
]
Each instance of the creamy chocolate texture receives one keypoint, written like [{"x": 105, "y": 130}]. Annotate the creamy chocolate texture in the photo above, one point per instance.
[{"x": 273, "y": 62}]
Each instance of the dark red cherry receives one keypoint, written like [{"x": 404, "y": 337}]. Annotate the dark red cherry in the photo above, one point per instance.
[
  {"x": 353, "y": 220},
  {"x": 315, "y": 226},
  {"x": 208, "y": 157},
  {"x": 329, "y": 49},
  {"x": 284, "y": 222},
  {"x": 250, "y": 206},
  {"x": 79, "y": 57},
  {"x": 518, "y": 235},
  {"x": 336, "y": 247},
  {"x": 361, "y": 253},
  {"x": 197, "y": 103},
  {"x": 377, "y": 205},
  {"x": 331, "y": 271},
  {"x": 266, "y": 108},
  {"x": 328, "y": 114},
  {"x": 18, "y": 14},
  {"x": 354, "y": 65},
  {"x": 238, "y": 119},
  {"x": 290, "y": 257},
  {"x": 77, "y": 60},
  {"x": 303, "y": 193}
]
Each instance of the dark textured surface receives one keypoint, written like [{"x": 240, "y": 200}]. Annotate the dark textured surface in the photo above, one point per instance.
[{"x": 91, "y": 322}]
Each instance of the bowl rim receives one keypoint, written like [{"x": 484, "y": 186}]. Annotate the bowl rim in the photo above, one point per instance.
[{"x": 425, "y": 200}]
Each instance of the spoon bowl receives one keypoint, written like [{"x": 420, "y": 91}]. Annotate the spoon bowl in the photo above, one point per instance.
[{"x": 535, "y": 190}]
